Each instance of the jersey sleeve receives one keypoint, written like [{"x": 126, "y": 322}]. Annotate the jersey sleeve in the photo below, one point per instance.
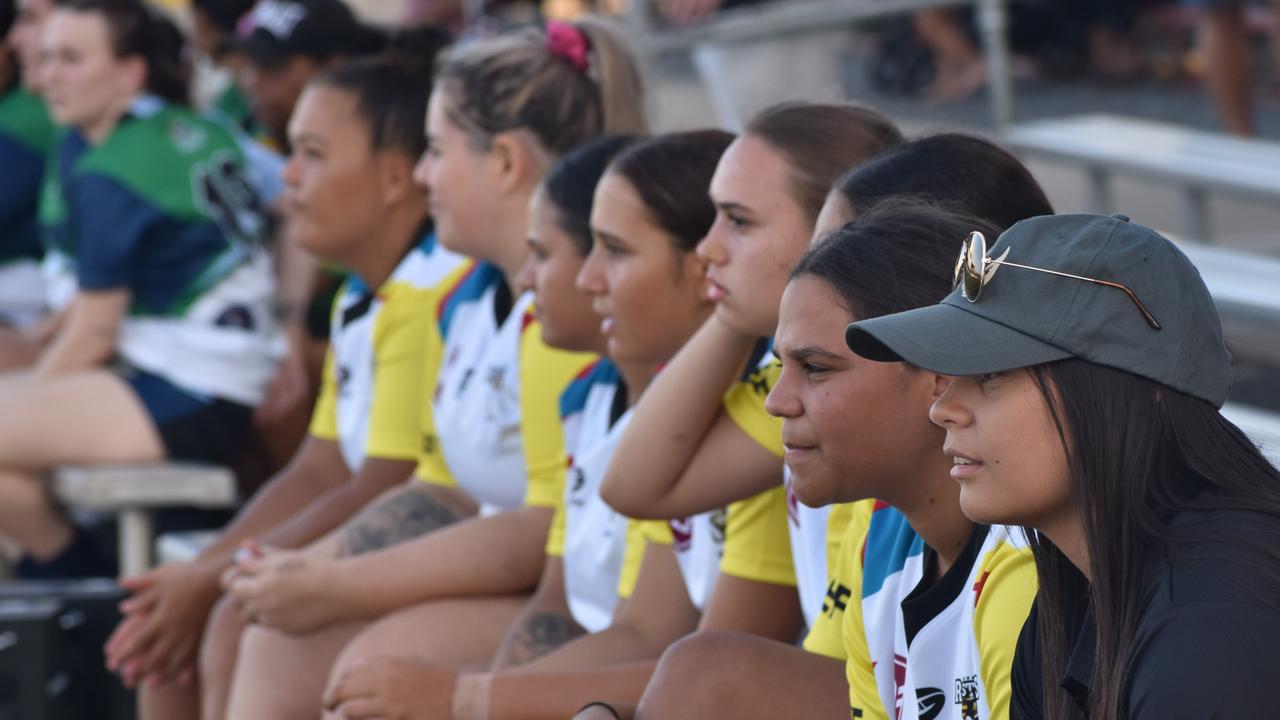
[
  {"x": 1005, "y": 590},
  {"x": 544, "y": 374},
  {"x": 400, "y": 340},
  {"x": 757, "y": 544},
  {"x": 639, "y": 534},
  {"x": 744, "y": 404},
  {"x": 111, "y": 225},
  {"x": 324, "y": 417}
]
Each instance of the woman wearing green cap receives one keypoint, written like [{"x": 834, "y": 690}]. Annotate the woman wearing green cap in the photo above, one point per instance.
[{"x": 1089, "y": 371}]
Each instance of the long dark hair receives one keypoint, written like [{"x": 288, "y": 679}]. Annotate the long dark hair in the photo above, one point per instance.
[
  {"x": 973, "y": 175},
  {"x": 137, "y": 30},
  {"x": 671, "y": 174},
  {"x": 897, "y": 257},
  {"x": 391, "y": 89},
  {"x": 570, "y": 185},
  {"x": 1138, "y": 454}
]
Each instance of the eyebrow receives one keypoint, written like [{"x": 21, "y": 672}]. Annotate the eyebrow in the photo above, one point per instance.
[
  {"x": 606, "y": 235},
  {"x": 806, "y": 352},
  {"x": 730, "y": 206},
  {"x": 309, "y": 137}
]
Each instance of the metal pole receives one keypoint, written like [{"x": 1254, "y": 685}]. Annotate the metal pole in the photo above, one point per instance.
[
  {"x": 135, "y": 541},
  {"x": 993, "y": 23}
]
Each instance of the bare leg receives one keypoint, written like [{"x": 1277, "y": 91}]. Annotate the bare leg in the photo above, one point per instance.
[
  {"x": 98, "y": 419},
  {"x": 758, "y": 678},
  {"x": 168, "y": 701},
  {"x": 282, "y": 676},
  {"x": 218, "y": 650},
  {"x": 462, "y": 633},
  {"x": 1228, "y": 74}
]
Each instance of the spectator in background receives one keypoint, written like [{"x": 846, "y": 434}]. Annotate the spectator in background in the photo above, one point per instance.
[
  {"x": 25, "y": 136},
  {"x": 214, "y": 36},
  {"x": 1229, "y": 65},
  {"x": 286, "y": 43},
  {"x": 167, "y": 338}
]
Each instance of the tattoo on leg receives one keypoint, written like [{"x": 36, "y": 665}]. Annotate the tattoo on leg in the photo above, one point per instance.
[
  {"x": 540, "y": 634},
  {"x": 401, "y": 517}
]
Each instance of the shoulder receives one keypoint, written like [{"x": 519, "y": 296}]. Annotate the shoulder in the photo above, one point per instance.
[
  {"x": 1205, "y": 659},
  {"x": 598, "y": 374}
]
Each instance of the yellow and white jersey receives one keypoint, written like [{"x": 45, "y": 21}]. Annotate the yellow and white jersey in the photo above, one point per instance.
[
  {"x": 747, "y": 539},
  {"x": 375, "y": 370},
  {"x": 589, "y": 536},
  {"x": 495, "y": 407},
  {"x": 942, "y": 651},
  {"x": 815, "y": 533}
]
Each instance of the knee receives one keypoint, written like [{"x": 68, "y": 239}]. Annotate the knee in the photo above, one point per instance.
[
  {"x": 220, "y": 644},
  {"x": 682, "y": 687}
]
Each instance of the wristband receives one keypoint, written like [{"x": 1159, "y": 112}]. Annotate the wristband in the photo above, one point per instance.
[
  {"x": 471, "y": 696},
  {"x": 599, "y": 704}
]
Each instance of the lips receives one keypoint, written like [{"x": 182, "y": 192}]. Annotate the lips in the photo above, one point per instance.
[
  {"x": 963, "y": 465},
  {"x": 715, "y": 291}
]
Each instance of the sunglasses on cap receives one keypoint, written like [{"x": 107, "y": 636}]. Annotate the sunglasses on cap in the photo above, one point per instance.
[{"x": 974, "y": 269}]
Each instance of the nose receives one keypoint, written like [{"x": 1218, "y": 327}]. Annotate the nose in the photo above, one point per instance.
[
  {"x": 712, "y": 249},
  {"x": 590, "y": 279},
  {"x": 525, "y": 278},
  {"x": 951, "y": 408},
  {"x": 290, "y": 173},
  {"x": 420, "y": 170},
  {"x": 782, "y": 400}
]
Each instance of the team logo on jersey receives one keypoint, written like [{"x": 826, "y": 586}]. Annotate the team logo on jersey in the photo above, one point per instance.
[
  {"x": 429, "y": 443},
  {"x": 344, "y": 379},
  {"x": 930, "y": 702},
  {"x": 967, "y": 697},
  {"x": 575, "y": 490},
  {"x": 719, "y": 521},
  {"x": 759, "y": 380},
  {"x": 837, "y": 598},
  {"x": 187, "y": 137}
]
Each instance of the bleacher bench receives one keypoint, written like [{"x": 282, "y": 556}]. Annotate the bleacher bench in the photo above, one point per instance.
[
  {"x": 1199, "y": 162},
  {"x": 132, "y": 492},
  {"x": 1246, "y": 290},
  {"x": 776, "y": 20}
]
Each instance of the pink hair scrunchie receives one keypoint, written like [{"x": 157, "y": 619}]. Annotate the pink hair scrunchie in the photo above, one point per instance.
[{"x": 566, "y": 41}]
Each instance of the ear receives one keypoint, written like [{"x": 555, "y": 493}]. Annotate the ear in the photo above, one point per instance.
[
  {"x": 395, "y": 170},
  {"x": 517, "y": 165},
  {"x": 135, "y": 73},
  {"x": 940, "y": 384}
]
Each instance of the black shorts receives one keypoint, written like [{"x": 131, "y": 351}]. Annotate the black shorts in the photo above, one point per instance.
[{"x": 191, "y": 426}]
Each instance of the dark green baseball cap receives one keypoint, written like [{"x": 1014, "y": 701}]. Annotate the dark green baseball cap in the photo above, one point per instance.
[{"x": 1023, "y": 316}]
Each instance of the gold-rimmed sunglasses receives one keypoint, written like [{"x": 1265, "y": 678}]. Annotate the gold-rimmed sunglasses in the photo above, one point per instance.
[{"x": 974, "y": 269}]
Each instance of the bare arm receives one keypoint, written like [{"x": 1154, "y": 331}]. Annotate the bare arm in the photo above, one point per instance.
[
  {"x": 614, "y": 663},
  {"x": 681, "y": 454},
  {"x": 87, "y": 337},
  {"x": 493, "y": 555},
  {"x": 756, "y": 608}
]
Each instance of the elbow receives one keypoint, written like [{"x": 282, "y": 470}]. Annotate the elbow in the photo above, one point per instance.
[{"x": 614, "y": 492}]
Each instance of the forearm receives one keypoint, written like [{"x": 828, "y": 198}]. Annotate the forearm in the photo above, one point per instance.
[
  {"x": 77, "y": 348},
  {"x": 312, "y": 472},
  {"x": 671, "y": 420},
  {"x": 558, "y": 695},
  {"x": 496, "y": 555},
  {"x": 335, "y": 506}
]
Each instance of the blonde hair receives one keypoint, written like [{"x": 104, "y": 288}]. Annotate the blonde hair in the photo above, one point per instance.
[{"x": 516, "y": 81}]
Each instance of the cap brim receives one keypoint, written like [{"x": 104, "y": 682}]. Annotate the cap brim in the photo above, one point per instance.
[{"x": 948, "y": 340}]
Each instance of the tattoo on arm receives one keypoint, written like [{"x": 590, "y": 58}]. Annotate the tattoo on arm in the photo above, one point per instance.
[
  {"x": 403, "y": 516},
  {"x": 538, "y": 635}
]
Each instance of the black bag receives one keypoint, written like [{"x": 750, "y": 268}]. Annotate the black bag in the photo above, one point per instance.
[{"x": 51, "y": 659}]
